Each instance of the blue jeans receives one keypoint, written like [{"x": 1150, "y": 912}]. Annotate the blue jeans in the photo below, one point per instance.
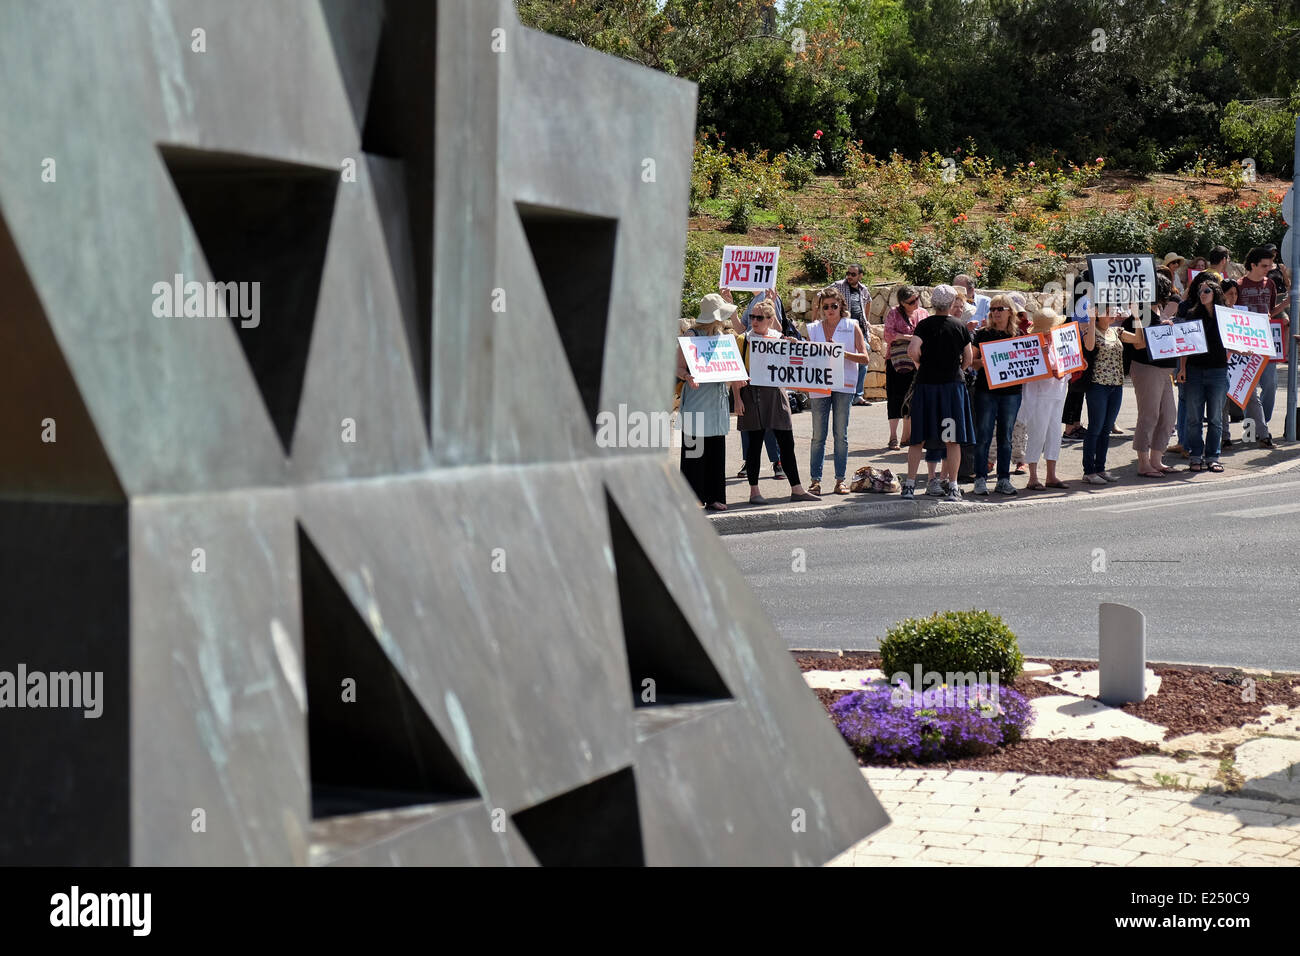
[
  {"x": 995, "y": 409},
  {"x": 1207, "y": 389},
  {"x": 1103, "y": 408},
  {"x": 862, "y": 378},
  {"x": 773, "y": 451},
  {"x": 1181, "y": 427},
  {"x": 1268, "y": 390},
  {"x": 842, "y": 402}
]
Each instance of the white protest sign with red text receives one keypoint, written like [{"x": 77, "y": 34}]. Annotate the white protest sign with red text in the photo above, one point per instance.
[
  {"x": 1244, "y": 370},
  {"x": 713, "y": 358},
  {"x": 1064, "y": 346},
  {"x": 816, "y": 367},
  {"x": 748, "y": 268},
  {"x": 1171, "y": 341}
]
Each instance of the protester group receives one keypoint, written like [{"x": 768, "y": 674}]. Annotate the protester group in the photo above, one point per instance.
[{"x": 1060, "y": 381}]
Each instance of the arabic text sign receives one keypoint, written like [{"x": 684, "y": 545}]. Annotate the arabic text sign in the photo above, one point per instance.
[
  {"x": 1244, "y": 370},
  {"x": 1171, "y": 341},
  {"x": 713, "y": 358},
  {"x": 1244, "y": 331},
  {"x": 803, "y": 366},
  {"x": 1120, "y": 280},
  {"x": 1014, "y": 361},
  {"x": 1065, "y": 350},
  {"x": 748, "y": 268}
]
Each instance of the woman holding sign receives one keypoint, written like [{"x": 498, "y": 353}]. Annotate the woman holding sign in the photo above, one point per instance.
[
  {"x": 835, "y": 326},
  {"x": 705, "y": 416},
  {"x": 765, "y": 410},
  {"x": 1206, "y": 377},
  {"x": 1103, "y": 347},
  {"x": 1157, "y": 411},
  {"x": 1040, "y": 410},
  {"x": 994, "y": 407}
]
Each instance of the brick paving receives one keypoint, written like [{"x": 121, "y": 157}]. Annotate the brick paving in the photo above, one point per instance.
[{"x": 969, "y": 818}]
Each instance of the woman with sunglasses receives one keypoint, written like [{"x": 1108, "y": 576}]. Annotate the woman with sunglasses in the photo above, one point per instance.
[
  {"x": 1103, "y": 348},
  {"x": 765, "y": 410},
  {"x": 1206, "y": 379},
  {"x": 900, "y": 324},
  {"x": 994, "y": 407},
  {"x": 834, "y": 324}
]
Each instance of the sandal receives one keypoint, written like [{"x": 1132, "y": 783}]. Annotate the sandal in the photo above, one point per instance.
[
  {"x": 805, "y": 496},
  {"x": 1196, "y": 466},
  {"x": 815, "y": 488},
  {"x": 1035, "y": 486},
  {"x": 1152, "y": 474},
  {"x": 758, "y": 500},
  {"x": 842, "y": 489},
  {"x": 1214, "y": 466},
  {"x": 1020, "y": 470},
  {"x": 893, "y": 444},
  {"x": 1057, "y": 484},
  {"x": 715, "y": 506},
  {"x": 744, "y": 472}
]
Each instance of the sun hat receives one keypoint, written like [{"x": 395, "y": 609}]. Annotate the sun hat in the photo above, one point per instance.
[
  {"x": 1172, "y": 257},
  {"x": 714, "y": 308},
  {"x": 1046, "y": 319}
]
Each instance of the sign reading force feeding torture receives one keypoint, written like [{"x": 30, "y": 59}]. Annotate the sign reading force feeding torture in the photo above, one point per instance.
[
  {"x": 1244, "y": 370},
  {"x": 1171, "y": 341},
  {"x": 713, "y": 358},
  {"x": 1065, "y": 350},
  {"x": 748, "y": 268},
  {"x": 1014, "y": 361},
  {"x": 803, "y": 366},
  {"x": 1121, "y": 280},
  {"x": 1244, "y": 331}
]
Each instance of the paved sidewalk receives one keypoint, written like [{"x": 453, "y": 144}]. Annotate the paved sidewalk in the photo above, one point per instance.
[
  {"x": 974, "y": 818},
  {"x": 869, "y": 435}
]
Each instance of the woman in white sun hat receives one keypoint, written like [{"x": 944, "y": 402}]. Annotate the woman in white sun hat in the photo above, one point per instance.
[{"x": 706, "y": 419}]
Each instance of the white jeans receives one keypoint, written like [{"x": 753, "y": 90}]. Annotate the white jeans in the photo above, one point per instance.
[{"x": 1040, "y": 410}]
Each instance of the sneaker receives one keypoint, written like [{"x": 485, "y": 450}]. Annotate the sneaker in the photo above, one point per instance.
[
  {"x": 744, "y": 472},
  {"x": 1108, "y": 476},
  {"x": 1228, "y": 442},
  {"x": 909, "y": 490},
  {"x": 936, "y": 488},
  {"x": 981, "y": 487},
  {"x": 860, "y": 401},
  {"x": 1265, "y": 443},
  {"x": 1068, "y": 438},
  {"x": 954, "y": 493},
  {"x": 1005, "y": 487},
  {"x": 1094, "y": 480},
  {"x": 777, "y": 470}
]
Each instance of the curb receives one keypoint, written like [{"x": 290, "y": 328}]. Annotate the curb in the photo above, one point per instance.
[
  {"x": 876, "y": 508},
  {"x": 834, "y": 653}
]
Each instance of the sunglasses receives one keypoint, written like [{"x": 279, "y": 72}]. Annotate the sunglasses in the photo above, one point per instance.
[
  {"x": 999, "y": 308},
  {"x": 911, "y": 302},
  {"x": 1206, "y": 291},
  {"x": 830, "y": 307}
]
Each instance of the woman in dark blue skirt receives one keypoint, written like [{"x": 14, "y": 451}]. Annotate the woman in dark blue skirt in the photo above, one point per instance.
[{"x": 941, "y": 412}]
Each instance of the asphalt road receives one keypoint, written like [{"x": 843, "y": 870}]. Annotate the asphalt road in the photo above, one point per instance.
[{"x": 1216, "y": 571}]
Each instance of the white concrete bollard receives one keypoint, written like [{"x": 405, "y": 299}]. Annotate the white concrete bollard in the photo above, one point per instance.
[{"x": 1122, "y": 655}]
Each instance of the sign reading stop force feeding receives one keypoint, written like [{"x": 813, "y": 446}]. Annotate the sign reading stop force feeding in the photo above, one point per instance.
[
  {"x": 713, "y": 358},
  {"x": 1244, "y": 331},
  {"x": 748, "y": 268},
  {"x": 1171, "y": 341},
  {"x": 1014, "y": 361},
  {"x": 803, "y": 366},
  {"x": 1122, "y": 280}
]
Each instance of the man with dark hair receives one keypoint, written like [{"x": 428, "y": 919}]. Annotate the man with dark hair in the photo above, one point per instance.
[
  {"x": 1219, "y": 262},
  {"x": 1256, "y": 292}
]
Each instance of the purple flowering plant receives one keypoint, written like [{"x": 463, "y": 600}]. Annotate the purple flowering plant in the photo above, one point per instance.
[{"x": 898, "y": 724}]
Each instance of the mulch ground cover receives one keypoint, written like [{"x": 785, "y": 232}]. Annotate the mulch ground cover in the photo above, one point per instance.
[{"x": 1189, "y": 701}]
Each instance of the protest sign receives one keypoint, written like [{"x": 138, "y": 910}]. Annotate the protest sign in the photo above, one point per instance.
[
  {"x": 1121, "y": 280},
  {"x": 1065, "y": 350},
  {"x": 1279, "y": 341},
  {"x": 713, "y": 358},
  {"x": 816, "y": 367},
  {"x": 1244, "y": 331},
  {"x": 1244, "y": 370},
  {"x": 1171, "y": 341},
  {"x": 748, "y": 268},
  {"x": 1014, "y": 361}
]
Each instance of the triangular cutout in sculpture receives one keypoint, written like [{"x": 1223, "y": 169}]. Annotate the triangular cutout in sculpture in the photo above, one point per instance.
[
  {"x": 399, "y": 131},
  {"x": 51, "y": 447},
  {"x": 371, "y": 745},
  {"x": 661, "y": 645},
  {"x": 597, "y": 824},
  {"x": 574, "y": 255},
  {"x": 265, "y": 222}
]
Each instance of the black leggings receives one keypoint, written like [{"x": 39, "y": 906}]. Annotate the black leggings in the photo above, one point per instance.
[
  {"x": 1072, "y": 414},
  {"x": 785, "y": 442},
  {"x": 706, "y": 473}
]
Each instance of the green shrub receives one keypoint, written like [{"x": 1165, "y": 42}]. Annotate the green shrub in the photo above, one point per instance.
[
  {"x": 825, "y": 260},
  {"x": 998, "y": 252},
  {"x": 787, "y": 217},
  {"x": 741, "y": 215},
  {"x": 952, "y": 642},
  {"x": 699, "y": 277},
  {"x": 800, "y": 168},
  {"x": 925, "y": 261},
  {"x": 1262, "y": 130}
]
